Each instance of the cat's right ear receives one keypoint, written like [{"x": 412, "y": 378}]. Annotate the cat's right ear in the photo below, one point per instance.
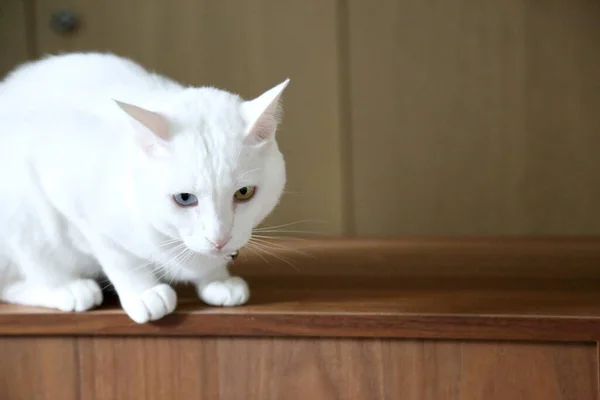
[{"x": 152, "y": 129}]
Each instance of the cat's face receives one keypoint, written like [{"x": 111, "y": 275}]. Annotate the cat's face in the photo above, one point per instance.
[
  {"x": 214, "y": 203},
  {"x": 218, "y": 171}
]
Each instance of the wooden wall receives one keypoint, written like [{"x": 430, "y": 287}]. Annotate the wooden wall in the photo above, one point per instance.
[{"x": 403, "y": 116}]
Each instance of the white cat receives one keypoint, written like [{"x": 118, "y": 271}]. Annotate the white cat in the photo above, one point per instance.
[{"x": 108, "y": 170}]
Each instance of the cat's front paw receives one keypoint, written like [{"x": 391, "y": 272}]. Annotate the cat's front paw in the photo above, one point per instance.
[
  {"x": 79, "y": 295},
  {"x": 151, "y": 305},
  {"x": 229, "y": 292}
]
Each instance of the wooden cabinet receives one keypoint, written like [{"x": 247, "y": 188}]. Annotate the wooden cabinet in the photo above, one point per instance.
[
  {"x": 294, "y": 369},
  {"x": 426, "y": 319}
]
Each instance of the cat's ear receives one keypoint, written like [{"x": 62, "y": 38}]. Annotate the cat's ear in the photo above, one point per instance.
[
  {"x": 263, "y": 114},
  {"x": 152, "y": 128}
]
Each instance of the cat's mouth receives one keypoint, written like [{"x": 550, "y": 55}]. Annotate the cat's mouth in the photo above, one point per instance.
[{"x": 233, "y": 255}]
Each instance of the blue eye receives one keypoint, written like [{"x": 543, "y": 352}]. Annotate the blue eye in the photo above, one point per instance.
[{"x": 185, "y": 200}]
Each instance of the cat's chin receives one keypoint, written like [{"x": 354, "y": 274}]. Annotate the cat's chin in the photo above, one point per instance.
[{"x": 228, "y": 255}]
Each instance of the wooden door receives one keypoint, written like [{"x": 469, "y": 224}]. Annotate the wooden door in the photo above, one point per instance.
[{"x": 475, "y": 117}]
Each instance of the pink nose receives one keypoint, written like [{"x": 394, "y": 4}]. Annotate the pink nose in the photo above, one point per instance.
[{"x": 220, "y": 243}]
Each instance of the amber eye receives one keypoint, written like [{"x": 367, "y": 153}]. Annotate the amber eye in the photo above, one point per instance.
[{"x": 245, "y": 193}]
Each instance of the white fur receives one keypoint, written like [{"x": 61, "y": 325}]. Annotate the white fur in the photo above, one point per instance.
[{"x": 92, "y": 148}]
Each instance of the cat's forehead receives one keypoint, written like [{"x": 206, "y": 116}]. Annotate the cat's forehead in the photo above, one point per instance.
[
  {"x": 210, "y": 108},
  {"x": 210, "y": 140},
  {"x": 210, "y": 164}
]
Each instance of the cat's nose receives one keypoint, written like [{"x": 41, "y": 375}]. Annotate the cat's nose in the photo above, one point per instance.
[{"x": 219, "y": 243}]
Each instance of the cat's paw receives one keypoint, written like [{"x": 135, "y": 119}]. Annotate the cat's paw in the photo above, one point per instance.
[
  {"x": 229, "y": 292},
  {"x": 151, "y": 304},
  {"x": 79, "y": 295}
]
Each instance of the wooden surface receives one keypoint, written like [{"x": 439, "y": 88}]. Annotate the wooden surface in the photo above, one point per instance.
[
  {"x": 244, "y": 47},
  {"x": 523, "y": 310},
  {"x": 265, "y": 369},
  {"x": 38, "y": 369},
  {"x": 501, "y": 302},
  {"x": 475, "y": 118}
]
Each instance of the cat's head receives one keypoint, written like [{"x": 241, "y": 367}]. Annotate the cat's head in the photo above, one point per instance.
[{"x": 209, "y": 169}]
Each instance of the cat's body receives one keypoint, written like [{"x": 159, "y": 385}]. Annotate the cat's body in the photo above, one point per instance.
[{"x": 109, "y": 170}]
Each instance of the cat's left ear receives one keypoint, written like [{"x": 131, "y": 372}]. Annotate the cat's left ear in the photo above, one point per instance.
[{"x": 263, "y": 115}]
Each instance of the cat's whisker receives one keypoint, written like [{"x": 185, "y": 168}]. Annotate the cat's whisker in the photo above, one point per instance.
[
  {"x": 178, "y": 258},
  {"x": 167, "y": 266},
  {"x": 166, "y": 270},
  {"x": 167, "y": 252},
  {"x": 279, "y": 237},
  {"x": 154, "y": 261},
  {"x": 289, "y": 224},
  {"x": 145, "y": 265},
  {"x": 175, "y": 265},
  {"x": 158, "y": 278},
  {"x": 276, "y": 246},
  {"x": 106, "y": 284},
  {"x": 169, "y": 242},
  {"x": 267, "y": 246},
  {"x": 266, "y": 251},
  {"x": 257, "y": 253},
  {"x": 170, "y": 239},
  {"x": 188, "y": 254},
  {"x": 286, "y": 238},
  {"x": 294, "y": 231}
]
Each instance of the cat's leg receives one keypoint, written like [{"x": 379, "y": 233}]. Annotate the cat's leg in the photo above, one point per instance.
[
  {"x": 33, "y": 281},
  {"x": 37, "y": 265},
  {"x": 77, "y": 295},
  {"x": 219, "y": 288},
  {"x": 143, "y": 297}
]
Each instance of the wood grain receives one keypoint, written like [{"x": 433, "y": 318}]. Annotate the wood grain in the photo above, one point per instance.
[
  {"x": 475, "y": 370},
  {"x": 149, "y": 368},
  {"x": 475, "y": 118},
  {"x": 333, "y": 369},
  {"x": 529, "y": 289},
  {"x": 15, "y": 21},
  {"x": 244, "y": 47},
  {"x": 38, "y": 369}
]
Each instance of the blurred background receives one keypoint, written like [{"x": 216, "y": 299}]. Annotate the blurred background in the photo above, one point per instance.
[{"x": 403, "y": 117}]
